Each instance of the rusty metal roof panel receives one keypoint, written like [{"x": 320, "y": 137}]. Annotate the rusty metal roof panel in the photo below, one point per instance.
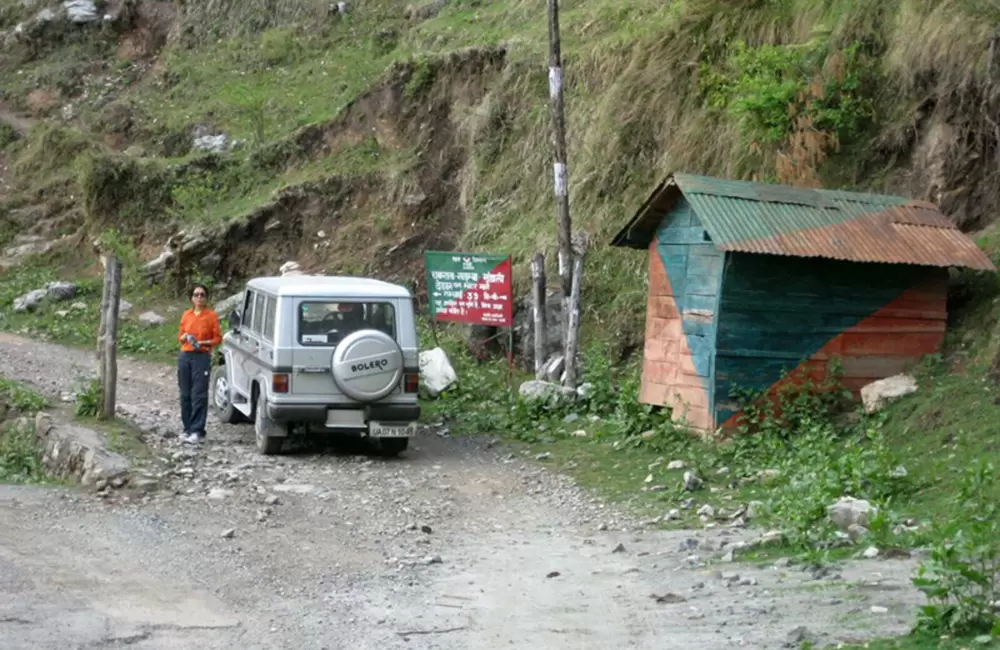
[{"x": 781, "y": 220}]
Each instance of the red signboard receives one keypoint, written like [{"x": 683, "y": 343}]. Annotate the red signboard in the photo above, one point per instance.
[{"x": 472, "y": 288}]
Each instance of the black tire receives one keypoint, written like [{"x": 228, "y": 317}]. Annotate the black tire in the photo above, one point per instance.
[
  {"x": 267, "y": 432},
  {"x": 391, "y": 447},
  {"x": 221, "y": 400}
]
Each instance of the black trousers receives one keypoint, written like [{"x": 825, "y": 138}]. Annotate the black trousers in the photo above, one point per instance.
[{"x": 193, "y": 375}]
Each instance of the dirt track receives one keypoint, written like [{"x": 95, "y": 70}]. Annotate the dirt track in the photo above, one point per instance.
[{"x": 340, "y": 560}]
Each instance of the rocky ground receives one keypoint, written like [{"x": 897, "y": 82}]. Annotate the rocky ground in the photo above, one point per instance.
[{"x": 459, "y": 543}]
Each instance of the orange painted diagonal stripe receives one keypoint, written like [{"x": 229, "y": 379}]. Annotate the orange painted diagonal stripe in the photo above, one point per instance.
[
  {"x": 669, "y": 377},
  {"x": 877, "y": 347}
]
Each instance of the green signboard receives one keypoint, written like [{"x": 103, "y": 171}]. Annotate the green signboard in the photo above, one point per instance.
[{"x": 473, "y": 288}]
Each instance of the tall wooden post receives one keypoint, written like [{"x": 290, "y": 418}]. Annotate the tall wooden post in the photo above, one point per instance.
[
  {"x": 538, "y": 304},
  {"x": 575, "y": 308},
  {"x": 560, "y": 171},
  {"x": 109, "y": 374}
]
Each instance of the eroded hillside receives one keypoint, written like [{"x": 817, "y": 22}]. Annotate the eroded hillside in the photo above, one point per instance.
[{"x": 352, "y": 140}]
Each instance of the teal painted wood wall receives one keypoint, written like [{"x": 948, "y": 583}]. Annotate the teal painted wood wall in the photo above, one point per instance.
[
  {"x": 693, "y": 268},
  {"x": 778, "y": 311}
]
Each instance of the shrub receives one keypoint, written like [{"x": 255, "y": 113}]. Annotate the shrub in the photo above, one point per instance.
[
  {"x": 20, "y": 461},
  {"x": 960, "y": 578},
  {"x": 90, "y": 399}
]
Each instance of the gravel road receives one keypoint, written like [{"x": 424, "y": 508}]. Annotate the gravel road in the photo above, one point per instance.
[{"x": 459, "y": 543}]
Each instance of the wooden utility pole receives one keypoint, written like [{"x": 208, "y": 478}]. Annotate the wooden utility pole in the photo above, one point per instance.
[
  {"x": 109, "y": 369},
  {"x": 560, "y": 172},
  {"x": 538, "y": 300},
  {"x": 575, "y": 313}
]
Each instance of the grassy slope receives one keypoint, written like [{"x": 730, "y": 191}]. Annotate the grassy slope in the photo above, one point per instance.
[{"x": 636, "y": 84}]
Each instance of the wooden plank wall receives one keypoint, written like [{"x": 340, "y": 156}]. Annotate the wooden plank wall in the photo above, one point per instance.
[
  {"x": 685, "y": 272},
  {"x": 783, "y": 313}
]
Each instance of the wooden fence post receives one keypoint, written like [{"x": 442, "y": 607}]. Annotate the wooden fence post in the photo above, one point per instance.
[
  {"x": 102, "y": 330},
  {"x": 573, "y": 321},
  {"x": 538, "y": 302},
  {"x": 109, "y": 373}
]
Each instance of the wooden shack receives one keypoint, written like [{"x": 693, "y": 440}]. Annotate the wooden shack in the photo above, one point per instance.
[{"x": 748, "y": 281}]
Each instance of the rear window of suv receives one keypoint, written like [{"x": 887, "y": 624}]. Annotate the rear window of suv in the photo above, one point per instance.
[{"x": 323, "y": 323}]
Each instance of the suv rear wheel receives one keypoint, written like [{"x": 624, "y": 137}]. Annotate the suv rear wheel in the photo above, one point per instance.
[{"x": 269, "y": 435}]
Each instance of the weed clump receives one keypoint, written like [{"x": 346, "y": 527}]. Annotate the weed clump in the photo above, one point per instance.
[
  {"x": 22, "y": 399},
  {"x": 20, "y": 461},
  {"x": 960, "y": 577},
  {"x": 122, "y": 191}
]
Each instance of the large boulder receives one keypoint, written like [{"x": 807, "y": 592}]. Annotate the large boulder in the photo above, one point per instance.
[
  {"x": 29, "y": 301},
  {"x": 81, "y": 11},
  {"x": 436, "y": 373},
  {"x": 543, "y": 391},
  {"x": 59, "y": 291},
  {"x": 74, "y": 452},
  {"x": 878, "y": 393},
  {"x": 849, "y": 512},
  {"x": 151, "y": 319}
]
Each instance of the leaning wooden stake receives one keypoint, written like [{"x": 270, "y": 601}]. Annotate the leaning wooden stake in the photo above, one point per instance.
[
  {"x": 109, "y": 386},
  {"x": 573, "y": 322},
  {"x": 538, "y": 301},
  {"x": 102, "y": 330}
]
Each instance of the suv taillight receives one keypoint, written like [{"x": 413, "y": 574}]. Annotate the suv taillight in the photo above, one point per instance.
[
  {"x": 279, "y": 383},
  {"x": 411, "y": 382}
]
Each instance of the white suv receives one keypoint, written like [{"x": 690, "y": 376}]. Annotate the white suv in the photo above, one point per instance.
[{"x": 332, "y": 354}]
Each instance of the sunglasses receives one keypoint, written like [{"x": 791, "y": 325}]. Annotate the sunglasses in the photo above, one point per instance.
[{"x": 198, "y": 294}]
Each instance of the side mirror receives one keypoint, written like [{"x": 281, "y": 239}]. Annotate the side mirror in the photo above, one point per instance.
[{"x": 234, "y": 320}]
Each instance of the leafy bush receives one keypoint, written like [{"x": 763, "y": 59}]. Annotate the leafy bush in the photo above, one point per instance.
[
  {"x": 21, "y": 398},
  {"x": 762, "y": 88},
  {"x": 280, "y": 46},
  {"x": 7, "y": 135},
  {"x": 960, "y": 578},
  {"x": 20, "y": 461}
]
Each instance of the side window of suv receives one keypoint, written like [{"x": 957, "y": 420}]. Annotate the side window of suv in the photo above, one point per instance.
[
  {"x": 257, "y": 322},
  {"x": 270, "y": 314},
  {"x": 247, "y": 317}
]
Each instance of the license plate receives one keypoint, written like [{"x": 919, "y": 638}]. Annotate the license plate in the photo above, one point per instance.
[
  {"x": 345, "y": 418},
  {"x": 379, "y": 430}
]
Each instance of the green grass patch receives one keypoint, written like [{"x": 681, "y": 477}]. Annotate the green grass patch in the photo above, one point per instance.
[
  {"x": 75, "y": 322},
  {"x": 20, "y": 461},
  {"x": 22, "y": 399},
  {"x": 921, "y": 641},
  {"x": 121, "y": 437}
]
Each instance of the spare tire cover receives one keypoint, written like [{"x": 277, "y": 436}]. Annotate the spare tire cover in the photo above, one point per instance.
[{"x": 367, "y": 365}]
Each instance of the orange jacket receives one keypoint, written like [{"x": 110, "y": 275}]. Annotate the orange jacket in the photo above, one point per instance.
[{"x": 204, "y": 327}]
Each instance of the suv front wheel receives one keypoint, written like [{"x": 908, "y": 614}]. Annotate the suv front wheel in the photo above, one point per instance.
[
  {"x": 270, "y": 436},
  {"x": 222, "y": 397}
]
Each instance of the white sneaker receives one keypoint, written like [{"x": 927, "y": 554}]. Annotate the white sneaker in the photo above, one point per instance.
[{"x": 192, "y": 438}]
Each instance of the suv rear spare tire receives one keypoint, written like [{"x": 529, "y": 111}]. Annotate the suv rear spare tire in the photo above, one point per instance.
[{"x": 367, "y": 365}]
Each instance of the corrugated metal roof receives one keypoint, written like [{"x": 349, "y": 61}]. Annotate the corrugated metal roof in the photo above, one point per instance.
[{"x": 782, "y": 220}]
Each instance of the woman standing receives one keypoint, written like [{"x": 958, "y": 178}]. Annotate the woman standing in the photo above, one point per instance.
[{"x": 199, "y": 333}]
